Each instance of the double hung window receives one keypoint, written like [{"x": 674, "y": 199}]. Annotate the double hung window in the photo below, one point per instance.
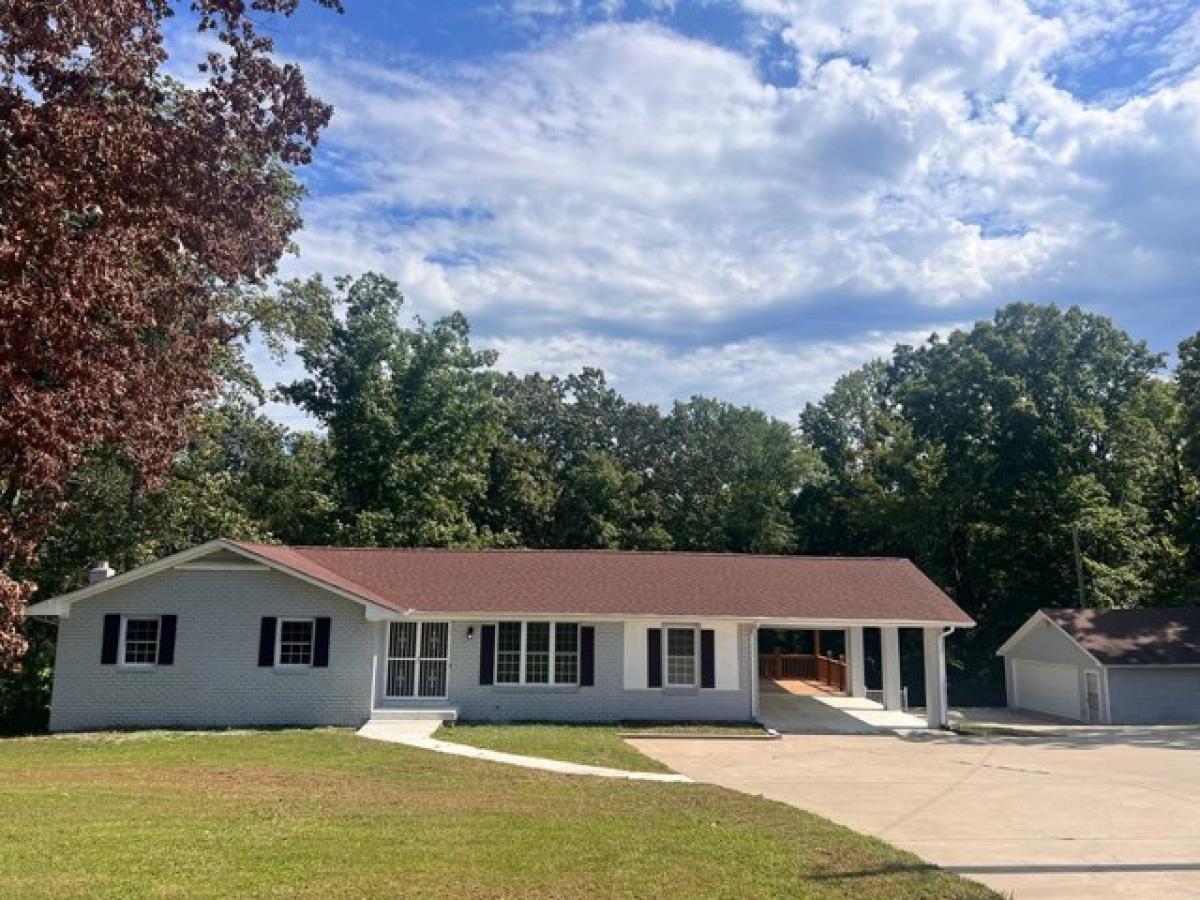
[{"x": 537, "y": 653}]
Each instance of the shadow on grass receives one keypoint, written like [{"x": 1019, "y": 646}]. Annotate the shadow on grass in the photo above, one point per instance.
[{"x": 914, "y": 868}]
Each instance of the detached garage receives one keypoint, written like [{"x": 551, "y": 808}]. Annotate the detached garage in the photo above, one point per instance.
[{"x": 1113, "y": 666}]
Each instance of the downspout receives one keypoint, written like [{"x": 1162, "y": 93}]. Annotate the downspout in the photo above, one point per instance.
[
  {"x": 381, "y": 627},
  {"x": 754, "y": 672}
]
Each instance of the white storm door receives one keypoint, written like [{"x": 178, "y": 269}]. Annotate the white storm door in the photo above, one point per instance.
[{"x": 417, "y": 659}]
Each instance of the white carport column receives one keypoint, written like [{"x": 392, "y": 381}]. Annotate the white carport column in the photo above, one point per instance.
[
  {"x": 935, "y": 677},
  {"x": 856, "y": 661},
  {"x": 889, "y": 640}
]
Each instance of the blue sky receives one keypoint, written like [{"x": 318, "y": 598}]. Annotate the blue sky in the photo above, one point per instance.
[{"x": 746, "y": 198}]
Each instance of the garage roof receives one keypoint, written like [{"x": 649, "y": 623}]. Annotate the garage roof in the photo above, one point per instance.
[
  {"x": 1122, "y": 637},
  {"x": 600, "y": 582}
]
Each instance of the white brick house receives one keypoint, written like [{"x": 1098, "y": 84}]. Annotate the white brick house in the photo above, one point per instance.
[{"x": 229, "y": 633}]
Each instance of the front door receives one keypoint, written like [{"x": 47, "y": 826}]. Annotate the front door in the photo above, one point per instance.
[{"x": 417, "y": 659}]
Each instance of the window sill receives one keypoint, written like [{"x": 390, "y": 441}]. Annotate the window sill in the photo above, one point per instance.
[
  {"x": 293, "y": 669},
  {"x": 137, "y": 667}
]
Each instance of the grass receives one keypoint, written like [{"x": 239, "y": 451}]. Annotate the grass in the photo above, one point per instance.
[
  {"x": 593, "y": 745},
  {"x": 327, "y": 814}
]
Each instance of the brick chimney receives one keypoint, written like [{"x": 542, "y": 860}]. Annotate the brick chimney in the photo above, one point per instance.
[{"x": 102, "y": 571}]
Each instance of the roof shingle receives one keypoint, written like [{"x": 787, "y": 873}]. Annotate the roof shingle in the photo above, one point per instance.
[
  {"x": 1120, "y": 637},
  {"x": 600, "y": 582}
]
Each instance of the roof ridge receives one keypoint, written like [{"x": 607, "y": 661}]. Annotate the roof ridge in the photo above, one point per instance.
[{"x": 593, "y": 551}]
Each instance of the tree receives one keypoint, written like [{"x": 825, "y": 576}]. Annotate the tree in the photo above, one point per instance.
[
  {"x": 879, "y": 484},
  {"x": 1035, "y": 415},
  {"x": 981, "y": 455},
  {"x": 134, "y": 212},
  {"x": 1182, "y": 500},
  {"x": 571, "y": 468},
  {"x": 1187, "y": 377},
  {"x": 729, "y": 476},
  {"x": 410, "y": 412}
]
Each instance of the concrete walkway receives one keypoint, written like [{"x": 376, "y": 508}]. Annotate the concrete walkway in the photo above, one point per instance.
[
  {"x": 419, "y": 733},
  {"x": 1111, "y": 816},
  {"x": 832, "y": 714}
]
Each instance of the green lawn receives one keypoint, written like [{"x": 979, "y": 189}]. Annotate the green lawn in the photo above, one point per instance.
[
  {"x": 327, "y": 814},
  {"x": 594, "y": 745}
]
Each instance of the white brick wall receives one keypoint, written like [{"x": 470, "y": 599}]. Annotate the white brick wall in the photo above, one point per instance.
[
  {"x": 216, "y": 680},
  {"x": 607, "y": 700}
]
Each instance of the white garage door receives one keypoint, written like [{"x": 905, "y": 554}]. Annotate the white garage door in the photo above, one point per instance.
[{"x": 1053, "y": 690}]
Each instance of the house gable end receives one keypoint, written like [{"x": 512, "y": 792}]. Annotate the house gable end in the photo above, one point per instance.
[
  {"x": 1039, "y": 622},
  {"x": 216, "y": 555}
]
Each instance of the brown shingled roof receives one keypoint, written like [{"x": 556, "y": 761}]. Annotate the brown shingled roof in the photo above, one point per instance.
[
  {"x": 601, "y": 582},
  {"x": 1119, "y": 637}
]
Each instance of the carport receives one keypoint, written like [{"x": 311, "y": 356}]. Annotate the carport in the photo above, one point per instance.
[{"x": 824, "y": 683}]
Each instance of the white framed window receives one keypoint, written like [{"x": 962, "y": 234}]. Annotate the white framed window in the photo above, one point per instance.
[
  {"x": 679, "y": 652},
  {"x": 509, "y": 640},
  {"x": 294, "y": 642},
  {"x": 139, "y": 641},
  {"x": 537, "y": 653},
  {"x": 566, "y": 653}
]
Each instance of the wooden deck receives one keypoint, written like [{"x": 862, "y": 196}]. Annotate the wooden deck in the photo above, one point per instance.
[
  {"x": 804, "y": 669},
  {"x": 800, "y": 687}
]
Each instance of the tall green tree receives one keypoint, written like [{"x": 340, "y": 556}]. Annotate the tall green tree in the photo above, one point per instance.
[
  {"x": 985, "y": 455},
  {"x": 572, "y": 466},
  {"x": 1187, "y": 377},
  {"x": 728, "y": 476},
  {"x": 1183, "y": 496},
  {"x": 410, "y": 412}
]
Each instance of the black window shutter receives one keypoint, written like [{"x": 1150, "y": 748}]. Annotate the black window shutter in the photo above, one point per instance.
[
  {"x": 587, "y": 656},
  {"x": 487, "y": 654},
  {"x": 266, "y": 642},
  {"x": 321, "y": 644},
  {"x": 112, "y": 635},
  {"x": 166, "y": 640},
  {"x": 654, "y": 657},
  {"x": 708, "y": 659}
]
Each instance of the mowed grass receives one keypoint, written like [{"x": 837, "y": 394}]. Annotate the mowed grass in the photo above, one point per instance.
[
  {"x": 327, "y": 814},
  {"x": 593, "y": 745}
]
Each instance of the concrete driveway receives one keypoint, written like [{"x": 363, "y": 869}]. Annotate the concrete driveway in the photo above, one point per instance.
[
  {"x": 1083, "y": 816},
  {"x": 832, "y": 714}
]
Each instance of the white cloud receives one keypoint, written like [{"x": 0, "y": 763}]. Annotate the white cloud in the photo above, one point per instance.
[
  {"x": 759, "y": 372},
  {"x": 627, "y": 197}
]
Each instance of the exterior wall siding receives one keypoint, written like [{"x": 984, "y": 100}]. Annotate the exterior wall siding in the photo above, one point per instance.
[
  {"x": 1046, "y": 643},
  {"x": 1155, "y": 695},
  {"x": 215, "y": 680},
  {"x": 607, "y": 701}
]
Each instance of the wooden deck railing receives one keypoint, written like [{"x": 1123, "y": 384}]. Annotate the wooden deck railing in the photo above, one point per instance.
[{"x": 825, "y": 669}]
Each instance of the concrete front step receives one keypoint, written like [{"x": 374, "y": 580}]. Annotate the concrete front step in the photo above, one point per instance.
[{"x": 397, "y": 714}]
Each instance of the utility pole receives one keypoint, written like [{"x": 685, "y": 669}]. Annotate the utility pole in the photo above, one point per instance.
[{"x": 1078, "y": 563}]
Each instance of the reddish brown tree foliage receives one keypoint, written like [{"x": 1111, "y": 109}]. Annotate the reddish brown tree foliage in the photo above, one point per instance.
[{"x": 130, "y": 210}]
